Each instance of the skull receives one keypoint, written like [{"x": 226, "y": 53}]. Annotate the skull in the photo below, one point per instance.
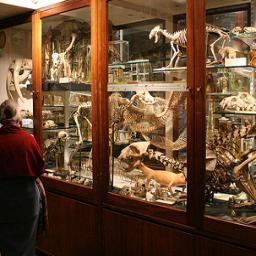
[
  {"x": 134, "y": 150},
  {"x": 49, "y": 124},
  {"x": 63, "y": 136},
  {"x": 55, "y": 60}
]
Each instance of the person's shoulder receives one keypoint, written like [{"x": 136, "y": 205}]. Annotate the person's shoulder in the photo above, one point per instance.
[{"x": 27, "y": 136}]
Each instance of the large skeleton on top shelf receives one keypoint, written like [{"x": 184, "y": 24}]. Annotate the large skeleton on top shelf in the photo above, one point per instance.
[
  {"x": 179, "y": 39},
  {"x": 60, "y": 62},
  {"x": 65, "y": 51}
]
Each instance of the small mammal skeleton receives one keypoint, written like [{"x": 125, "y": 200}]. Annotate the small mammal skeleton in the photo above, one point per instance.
[{"x": 179, "y": 39}]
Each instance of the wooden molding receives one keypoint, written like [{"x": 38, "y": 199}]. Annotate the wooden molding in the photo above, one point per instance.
[{"x": 64, "y": 7}]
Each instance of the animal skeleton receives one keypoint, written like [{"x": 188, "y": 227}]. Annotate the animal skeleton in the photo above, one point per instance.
[
  {"x": 231, "y": 166},
  {"x": 78, "y": 116},
  {"x": 179, "y": 39},
  {"x": 167, "y": 144},
  {"x": 141, "y": 114},
  {"x": 52, "y": 146},
  {"x": 60, "y": 62},
  {"x": 19, "y": 72},
  {"x": 137, "y": 150}
]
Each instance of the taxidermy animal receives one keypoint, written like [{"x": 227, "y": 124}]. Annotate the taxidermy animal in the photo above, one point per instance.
[
  {"x": 164, "y": 178},
  {"x": 179, "y": 39},
  {"x": 19, "y": 72}
]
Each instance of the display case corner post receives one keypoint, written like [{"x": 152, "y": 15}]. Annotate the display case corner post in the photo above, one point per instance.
[
  {"x": 36, "y": 74},
  {"x": 99, "y": 94},
  {"x": 196, "y": 83}
]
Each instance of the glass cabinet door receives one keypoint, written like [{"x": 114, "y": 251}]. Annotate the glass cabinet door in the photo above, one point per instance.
[
  {"x": 16, "y": 70},
  {"x": 66, "y": 96},
  {"x": 230, "y": 189},
  {"x": 148, "y": 101}
]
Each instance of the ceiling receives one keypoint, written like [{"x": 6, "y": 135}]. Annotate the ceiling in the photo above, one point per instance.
[
  {"x": 32, "y": 4},
  {"x": 10, "y": 10}
]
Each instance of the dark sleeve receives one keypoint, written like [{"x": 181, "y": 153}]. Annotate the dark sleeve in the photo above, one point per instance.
[{"x": 35, "y": 157}]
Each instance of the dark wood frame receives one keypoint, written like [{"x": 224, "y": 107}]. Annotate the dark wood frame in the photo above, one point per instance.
[{"x": 193, "y": 220}]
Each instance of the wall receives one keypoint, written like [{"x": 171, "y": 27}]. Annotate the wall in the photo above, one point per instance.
[{"x": 18, "y": 45}]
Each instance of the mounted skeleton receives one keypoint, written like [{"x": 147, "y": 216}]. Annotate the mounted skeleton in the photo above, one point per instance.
[
  {"x": 78, "y": 117},
  {"x": 179, "y": 39}
]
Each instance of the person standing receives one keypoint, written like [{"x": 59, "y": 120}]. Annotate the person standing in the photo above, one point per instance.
[{"x": 21, "y": 163}]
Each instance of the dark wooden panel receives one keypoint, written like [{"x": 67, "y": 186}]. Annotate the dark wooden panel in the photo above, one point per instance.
[
  {"x": 160, "y": 240},
  {"x": 73, "y": 228},
  {"x": 243, "y": 235},
  {"x": 122, "y": 235},
  {"x": 72, "y": 190},
  {"x": 211, "y": 247},
  {"x": 125, "y": 235}
]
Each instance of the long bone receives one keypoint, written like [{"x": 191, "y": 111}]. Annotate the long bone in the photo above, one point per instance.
[{"x": 76, "y": 115}]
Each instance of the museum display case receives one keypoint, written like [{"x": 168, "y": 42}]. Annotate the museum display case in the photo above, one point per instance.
[
  {"x": 146, "y": 110},
  {"x": 66, "y": 96},
  {"x": 230, "y": 180},
  {"x": 147, "y": 87},
  {"x": 230, "y": 120}
]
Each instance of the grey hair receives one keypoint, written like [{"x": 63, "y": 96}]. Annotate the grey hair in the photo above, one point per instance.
[{"x": 9, "y": 111}]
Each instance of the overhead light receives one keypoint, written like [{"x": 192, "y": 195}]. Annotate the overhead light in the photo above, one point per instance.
[{"x": 31, "y": 4}]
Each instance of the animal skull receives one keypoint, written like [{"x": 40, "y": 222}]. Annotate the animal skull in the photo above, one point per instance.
[
  {"x": 134, "y": 150},
  {"x": 49, "y": 124},
  {"x": 63, "y": 136}
]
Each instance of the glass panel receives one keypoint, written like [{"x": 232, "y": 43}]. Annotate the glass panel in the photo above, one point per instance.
[
  {"x": 16, "y": 70},
  {"x": 230, "y": 116},
  {"x": 147, "y": 102},
  {"x": 66, "y": 102}
]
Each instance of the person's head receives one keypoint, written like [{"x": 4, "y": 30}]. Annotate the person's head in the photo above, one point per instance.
[{"x": 9, "y": 113}]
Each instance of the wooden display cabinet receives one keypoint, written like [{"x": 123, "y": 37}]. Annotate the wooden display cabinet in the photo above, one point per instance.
[{"x": 97, "y": 220}]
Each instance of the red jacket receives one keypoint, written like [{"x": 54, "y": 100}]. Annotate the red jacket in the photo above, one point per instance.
[{"x": 19, "y": 153}]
